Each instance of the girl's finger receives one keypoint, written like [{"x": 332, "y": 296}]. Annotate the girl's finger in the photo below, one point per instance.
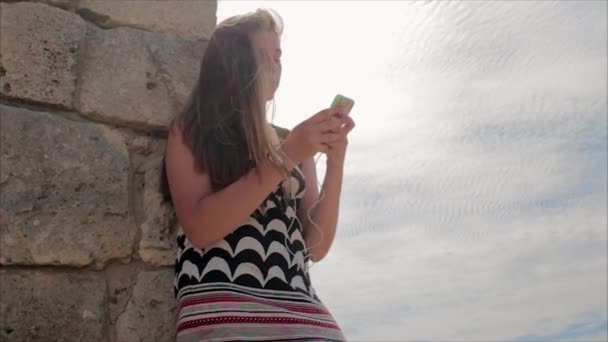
[
  {"x": 331, "y": 124},
  {"x": 331, "y": 137},
  {"x": 325, "y": 114}
]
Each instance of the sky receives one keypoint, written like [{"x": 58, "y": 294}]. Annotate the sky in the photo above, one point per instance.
[{"x": 474, "y": 201}]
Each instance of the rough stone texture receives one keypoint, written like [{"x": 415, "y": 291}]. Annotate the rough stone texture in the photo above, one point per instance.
[
  {"x": 121, "y": 84},
  {"x": 150, "y": 314},
  {"x": 121, "y": 279},
  {"x": 64, "y": 188},
  {"x": 70, "y": 5},
  {"x": 45, "y": 306},
  {"x": 141, "y": 145},
  {"x": 179, "y": 61},
  {"x": 38, "y": 52},
  {"x": 194, "y": 18},
  {"x": 157, "y": 245},
  {"x": 83, "y": 195}
]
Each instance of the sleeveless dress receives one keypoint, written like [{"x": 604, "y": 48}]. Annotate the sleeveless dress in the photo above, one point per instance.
[{"x": 254, "y": 284}]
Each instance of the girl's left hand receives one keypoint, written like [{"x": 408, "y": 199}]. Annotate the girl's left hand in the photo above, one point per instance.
[{"x": 336, "y": 151}]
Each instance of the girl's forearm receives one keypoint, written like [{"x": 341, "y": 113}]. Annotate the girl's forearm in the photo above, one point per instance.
[
  {"x": 218, "y": 214},
  {"x": 325, "y": 214}
]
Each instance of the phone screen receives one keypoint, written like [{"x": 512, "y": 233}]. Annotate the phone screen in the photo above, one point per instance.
[{"x": 346, "y": 102}]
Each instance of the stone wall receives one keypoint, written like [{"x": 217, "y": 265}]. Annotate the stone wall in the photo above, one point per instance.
[{"x": 86, "y": 88}]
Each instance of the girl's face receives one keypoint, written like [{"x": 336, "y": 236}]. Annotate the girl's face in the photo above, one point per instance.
[{"x": 268, "y": 45}]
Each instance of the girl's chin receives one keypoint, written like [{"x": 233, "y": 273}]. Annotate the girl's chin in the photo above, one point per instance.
[{"x": 271, "y": 97}]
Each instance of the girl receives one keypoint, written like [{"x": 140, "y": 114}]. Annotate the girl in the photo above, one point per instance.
[{"x": 246, "y": 197}]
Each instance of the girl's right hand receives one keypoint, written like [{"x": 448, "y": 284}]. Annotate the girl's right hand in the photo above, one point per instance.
[{"x": 313, "y": 134}]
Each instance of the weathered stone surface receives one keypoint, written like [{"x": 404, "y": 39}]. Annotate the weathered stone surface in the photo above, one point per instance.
[
  {"x": 57, "y": 306},
  {"x": 121, "y": 278},
  {"x": 187, "y": 17},
  {"x": 141, "y": 145},
  {"x": 179, "y": 61},
  {"x": 121, "y": 84},
  {"x": 64, "y": 188},
  {"x": 150, "y": 314},
  {"x": 157, "y": 245},
  {"x": 38, "y": 52},
  {"x": 65, "y": 4}
]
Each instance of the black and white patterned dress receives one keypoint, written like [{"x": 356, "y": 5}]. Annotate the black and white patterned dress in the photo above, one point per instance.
[{"x": 254, "y": 284}]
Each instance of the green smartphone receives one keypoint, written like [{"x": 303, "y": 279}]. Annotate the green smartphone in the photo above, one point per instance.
[{"x": 346, "y": 102}]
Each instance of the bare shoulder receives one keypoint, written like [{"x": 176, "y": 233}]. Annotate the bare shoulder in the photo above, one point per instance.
[{"x": 187, "y": 185}]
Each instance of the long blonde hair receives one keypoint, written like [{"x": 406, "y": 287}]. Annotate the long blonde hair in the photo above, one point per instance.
[{"x": 224, "y": 121}]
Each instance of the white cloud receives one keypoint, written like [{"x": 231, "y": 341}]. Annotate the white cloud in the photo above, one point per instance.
[{"x": 499, "y": 282}]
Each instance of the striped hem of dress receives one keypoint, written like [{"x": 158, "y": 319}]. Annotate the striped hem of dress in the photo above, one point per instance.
[{"x": 229, "y": 312}]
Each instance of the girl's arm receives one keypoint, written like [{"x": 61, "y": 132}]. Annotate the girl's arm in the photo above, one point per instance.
[
  {"x": 324, "y": 213},
  {"x": 207, "y": 216},
  {"x": 204, "y": 216},
  {"x": 319, "y": 237}
]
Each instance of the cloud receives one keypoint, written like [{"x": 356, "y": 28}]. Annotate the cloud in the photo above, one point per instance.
[
  {"x": 588, "y": 327},
  {"x": 397, "y": 284}
]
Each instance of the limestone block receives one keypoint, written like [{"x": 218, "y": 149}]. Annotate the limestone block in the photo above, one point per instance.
[
  {"x": 157, "y": 245},
  {"x": 52, "y": 306},
  {"x": 39, "y": 49},
  {"x": 194, "y": 18},
  {"x": 150, "y": 314},
  {"x": 64, "y": 188},
  {"x": 121, "y": 84}
]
